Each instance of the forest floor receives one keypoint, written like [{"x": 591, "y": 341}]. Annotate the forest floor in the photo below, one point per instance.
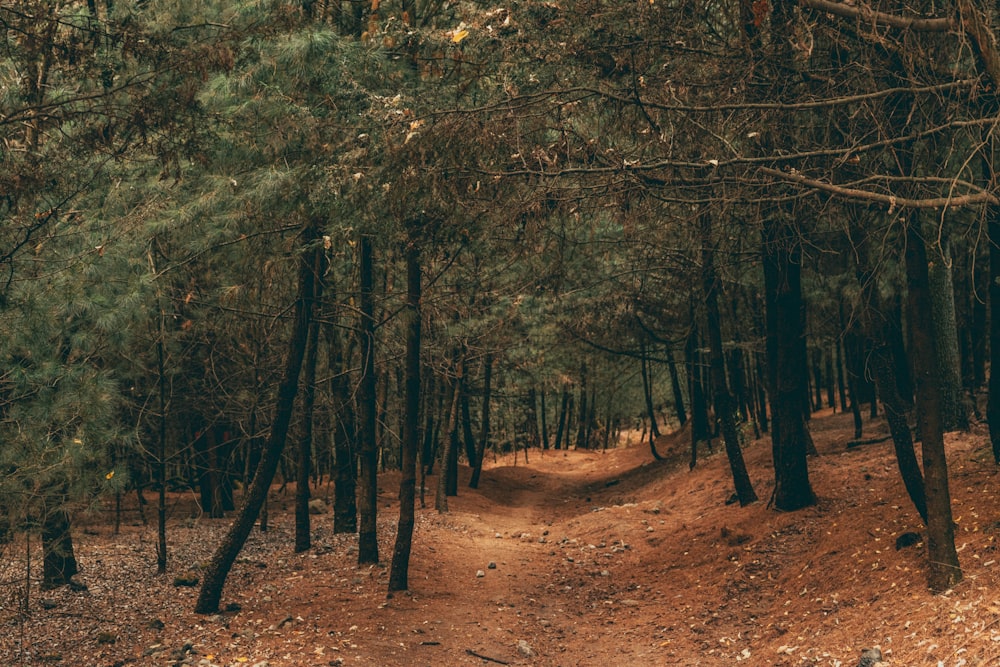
[{"x": 598, "y": 558}]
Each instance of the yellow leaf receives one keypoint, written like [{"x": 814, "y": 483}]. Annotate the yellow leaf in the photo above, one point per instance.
[
  {"x": 110, "y": 475},
  {"x": 459, "y": 36}
]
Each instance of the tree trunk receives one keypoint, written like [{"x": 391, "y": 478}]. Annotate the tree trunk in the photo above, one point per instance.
[
  {"x": 58, "y": 560},
  {"x": 441, "y": 497},
  {"x": 545, "y": 419},
  {"x": 161, "y": 457},
  {"x": 344, "y": 432},
  {"x": 563, "y": 417},
  {"x": 876, "y": 327},
  {"x": 853, "y": 346},
  {"x": 993, "y": 398},
  {"x": 224, "y": 557},
  {"x": 675, "y": 388},
  {"x": 581, "y": 431},
  {"x": 789, "y": 437},
  {"x": 484, "y": 433},
  {"x": 368, "y": 413},
  {"x": 303, "y": 539},
  {"x": 943, "y": 568},
  {"x": 647, "y": 392},
  {"x": 946, "y": 349},
  {"x": 700, "y": 429},
  {"x": 468, "y": 438},
  {"x": 399, "y": 571},
  {"x": 725, "y": 411}
]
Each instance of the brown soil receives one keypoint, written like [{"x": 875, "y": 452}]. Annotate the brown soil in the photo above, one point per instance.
[{"x": 601, "y": 558}]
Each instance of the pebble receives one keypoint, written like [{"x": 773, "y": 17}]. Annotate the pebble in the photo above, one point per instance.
[
  {"x": 492, "y": 565},
  {"x": 480, "y": 574},
  {"x": 525, "y": 649}
]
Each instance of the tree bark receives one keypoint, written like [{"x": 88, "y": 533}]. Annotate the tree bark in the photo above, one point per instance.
[
  {"x": 484, "y": 433},
  {"x": 441, "y": 497},
  {"x": 563, "y": 417},
  {"x": 789, "y": 437},
  {"x": 725, "y": 410},
  {"x": 993, "y": 398},
  {"x": 344, "y": 432},
  {"x": 368, "y": 413},
  {"x": 647, "y": 392},
  {"x": 675, "y": 388},
  {"x": 399, "y": 571},
  {"x": 58, "y": 560},
  {"x": 303, "y": 538},
  {"x": 946, "y": 349},
  {"x": 876, "y": 327},
  {"x": 943, "y": 570},
  {"x": 224, "y": 557}
]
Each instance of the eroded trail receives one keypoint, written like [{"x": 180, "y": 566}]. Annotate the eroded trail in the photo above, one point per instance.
[{"x": 577, "y": 559}]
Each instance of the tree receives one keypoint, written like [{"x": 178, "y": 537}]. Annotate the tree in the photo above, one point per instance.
[{"x": 226, "y": 553}]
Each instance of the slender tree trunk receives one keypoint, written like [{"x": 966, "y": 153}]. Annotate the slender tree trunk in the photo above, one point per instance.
[
  {"x": 368, "y": 411},
  {"x": 531, "y": 418},
  {"x": 993, "y": 398},
  {"x": 441, "y": 498},
  {"x": 468, "y": 438},
  {"x": 224, "y": 557},
  {"x": 943, "y": 568},
  {"x": 303, "y": 538},
  {"x": 789, "y": 436},
  {"x": 399, "y": 571},
  {"x": 725, "y": 411},
  {"x": 675, "y": 388},
  {"x": 484, "y": 433},
  {"x": 161, "y": 457},
  {"x": 344, "y": 432},
  {"x": 876, "y": 326},
  {"x": 853, "y": 346},
  {"x": 647, "y": 392},
  {"x": 581, "y": 431},
  {"x": 58, "y": 561},
  {"x": 700, "y": 429},
  {"x": 545, "y": 420},
  {"x": 563, "y": 416},
  {"x": 946, "y": 349},
  {"x": 841, "y": 386}
]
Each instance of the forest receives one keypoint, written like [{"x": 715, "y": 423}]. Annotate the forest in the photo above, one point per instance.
[{"x": 269, "y": 255}]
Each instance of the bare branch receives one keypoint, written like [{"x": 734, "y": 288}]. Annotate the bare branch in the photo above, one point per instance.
[{"x": 892, "y": 201}]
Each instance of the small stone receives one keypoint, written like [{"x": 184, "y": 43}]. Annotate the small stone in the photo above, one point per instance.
[
  {"x": 525, "y": 649},
  {"x": 492, "y": 565},
  {"x": 480, "y": 574},
  {"x": 262, "y": 663},
  {"x": 500, "y": 537},
  {"x": 317, "y": 506},
  {"x": 870, "y": 657},
  {"x": 605, "y": 573},
  {"x": 188, "y": 579}
]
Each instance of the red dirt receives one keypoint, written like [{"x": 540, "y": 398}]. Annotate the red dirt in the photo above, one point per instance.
[{"x": 602, "y": 558}]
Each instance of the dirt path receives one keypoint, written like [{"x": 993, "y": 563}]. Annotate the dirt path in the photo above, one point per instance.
[{"x": 597, "y": 559}]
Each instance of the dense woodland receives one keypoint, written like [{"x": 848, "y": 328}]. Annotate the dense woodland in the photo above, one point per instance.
[{"x": 254, "y": 242}]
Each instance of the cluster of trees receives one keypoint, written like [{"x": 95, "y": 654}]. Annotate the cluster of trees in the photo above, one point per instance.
[{"x": 397, "y": 232}]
